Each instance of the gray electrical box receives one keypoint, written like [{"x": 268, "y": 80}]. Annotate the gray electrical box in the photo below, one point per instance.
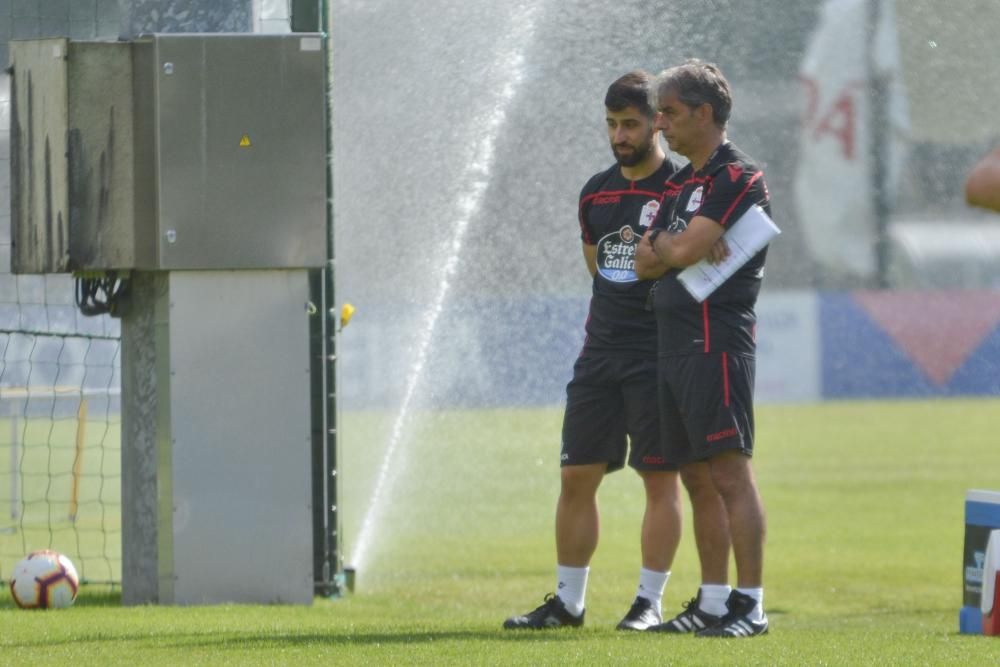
[{"x": 175, "y": 151}]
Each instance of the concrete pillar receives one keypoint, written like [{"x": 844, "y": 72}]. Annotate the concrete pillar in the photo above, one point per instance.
[{"x": 140, "y": 403}]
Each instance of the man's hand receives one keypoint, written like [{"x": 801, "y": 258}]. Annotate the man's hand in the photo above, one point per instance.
[
  {"x": 719, "y": 252},
  {"x": 647, "y": 265},
  {"x": 982, "y": 186}
]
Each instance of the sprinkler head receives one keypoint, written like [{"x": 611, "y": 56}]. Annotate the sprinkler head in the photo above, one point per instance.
[{"x": 346, "y": 312}]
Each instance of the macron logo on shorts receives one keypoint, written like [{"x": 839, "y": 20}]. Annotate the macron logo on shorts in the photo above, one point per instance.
[{"x": 721, "y": 435}]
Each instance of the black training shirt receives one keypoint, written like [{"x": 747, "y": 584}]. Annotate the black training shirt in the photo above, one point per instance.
[
  {"x": 614, "y": 214},
  {"x": 723, "y": 190}
]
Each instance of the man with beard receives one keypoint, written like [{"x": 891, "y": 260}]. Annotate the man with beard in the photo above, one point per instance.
[{"x": 611, "y": 407}]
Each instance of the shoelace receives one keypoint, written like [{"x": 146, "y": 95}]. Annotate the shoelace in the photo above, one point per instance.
[
  {"x": 638, "y": 607},
  {"x": 548, "y": 603}
]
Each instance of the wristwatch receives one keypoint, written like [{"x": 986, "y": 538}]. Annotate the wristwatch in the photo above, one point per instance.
[{"x": 653, "y": 234}]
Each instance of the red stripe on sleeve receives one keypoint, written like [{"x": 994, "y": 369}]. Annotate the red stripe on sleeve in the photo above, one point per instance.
[{"x": 729, "y": 211}]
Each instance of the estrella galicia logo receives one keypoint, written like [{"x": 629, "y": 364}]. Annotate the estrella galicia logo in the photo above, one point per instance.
[{"x": 616, "y": 255}]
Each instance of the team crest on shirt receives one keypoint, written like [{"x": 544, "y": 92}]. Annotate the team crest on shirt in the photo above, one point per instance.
[
  {"x": 649, "y": 212},
  {"x": 677, "y": 226},
  {"x": 616, "y": 255},
  {"x": 694, "y": 203}
]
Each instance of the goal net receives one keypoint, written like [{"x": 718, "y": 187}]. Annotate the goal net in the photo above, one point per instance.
[{"x": 60, "y": 451}]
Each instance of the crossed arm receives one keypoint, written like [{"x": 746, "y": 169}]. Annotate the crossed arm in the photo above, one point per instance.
[
  {"x": 982, "y": 187},
  {"x": 590, "y": 257},
  {"x": 701, "y": 239}
]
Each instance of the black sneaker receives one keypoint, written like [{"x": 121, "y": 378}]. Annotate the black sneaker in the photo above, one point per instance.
[
  {"x": 641, "y": 616},
  {"x": 552, "y": 614},
  {"x": 692, "y": 619},
  {"x": 737, "y": 622}
]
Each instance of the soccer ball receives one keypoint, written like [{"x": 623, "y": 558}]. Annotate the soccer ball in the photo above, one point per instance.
[{"x": 44, "y": 580}]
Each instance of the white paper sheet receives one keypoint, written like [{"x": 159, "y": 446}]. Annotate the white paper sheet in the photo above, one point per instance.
[{"x": 745, "y": 238}]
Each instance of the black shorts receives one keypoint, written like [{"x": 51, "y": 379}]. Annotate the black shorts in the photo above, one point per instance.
[
  {"x": 611, "y": 408},
  {"x": 706, "y": 405}
]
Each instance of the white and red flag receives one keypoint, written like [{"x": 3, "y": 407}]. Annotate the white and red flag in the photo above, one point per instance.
[{"x": 834, "y": 177}]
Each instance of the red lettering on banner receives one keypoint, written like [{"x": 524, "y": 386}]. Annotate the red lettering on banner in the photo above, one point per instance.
[
  {"x": 838, "y": 121},
  {"x": 811, "y": 89},
  {"x": 613, "y": 199}
]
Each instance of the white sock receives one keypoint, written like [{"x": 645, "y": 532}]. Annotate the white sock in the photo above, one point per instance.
[
  {"x": 651, "y": 585},
  {"x": 571, "y": 587},
  {"x": 758, "y": 595},
  {"x": 713, "y": 599}
]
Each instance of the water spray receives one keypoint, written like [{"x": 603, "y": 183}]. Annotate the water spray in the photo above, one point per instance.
[{"x": 509, "y": 65}]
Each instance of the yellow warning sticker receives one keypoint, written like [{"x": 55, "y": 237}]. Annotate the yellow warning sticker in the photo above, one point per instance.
[{"x": 245, "y": 141}]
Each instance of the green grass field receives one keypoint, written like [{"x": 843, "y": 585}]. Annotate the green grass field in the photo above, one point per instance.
[{"x": 863, "y": 562}]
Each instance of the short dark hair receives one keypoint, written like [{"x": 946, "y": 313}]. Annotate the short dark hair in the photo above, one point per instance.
[
  {"x": 631, "y": 90},
  {"x": 697, "y": 83}
]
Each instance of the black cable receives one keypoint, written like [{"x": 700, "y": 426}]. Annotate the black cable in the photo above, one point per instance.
[{"x": 99, "y": 293}]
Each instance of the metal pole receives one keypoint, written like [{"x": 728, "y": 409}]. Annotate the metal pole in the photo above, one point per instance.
[
  {"x": 878, "y": 95},
  {"x": 313, "y": 16},
  {"x": 321, "y": 566},
  {"x": 14, "y": 511},
  {"x": 330, "y": 376}
]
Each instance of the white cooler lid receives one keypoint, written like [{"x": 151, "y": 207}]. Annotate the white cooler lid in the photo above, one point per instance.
[
  {"x": 991, "y": 565},
  {"x": 980, "y": 496}
]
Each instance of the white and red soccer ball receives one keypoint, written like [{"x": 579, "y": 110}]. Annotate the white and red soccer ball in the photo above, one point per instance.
[{"x": 44, "y": 580}]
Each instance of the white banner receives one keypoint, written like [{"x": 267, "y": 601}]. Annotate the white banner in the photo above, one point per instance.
[{"x": 833, "y": 179}]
